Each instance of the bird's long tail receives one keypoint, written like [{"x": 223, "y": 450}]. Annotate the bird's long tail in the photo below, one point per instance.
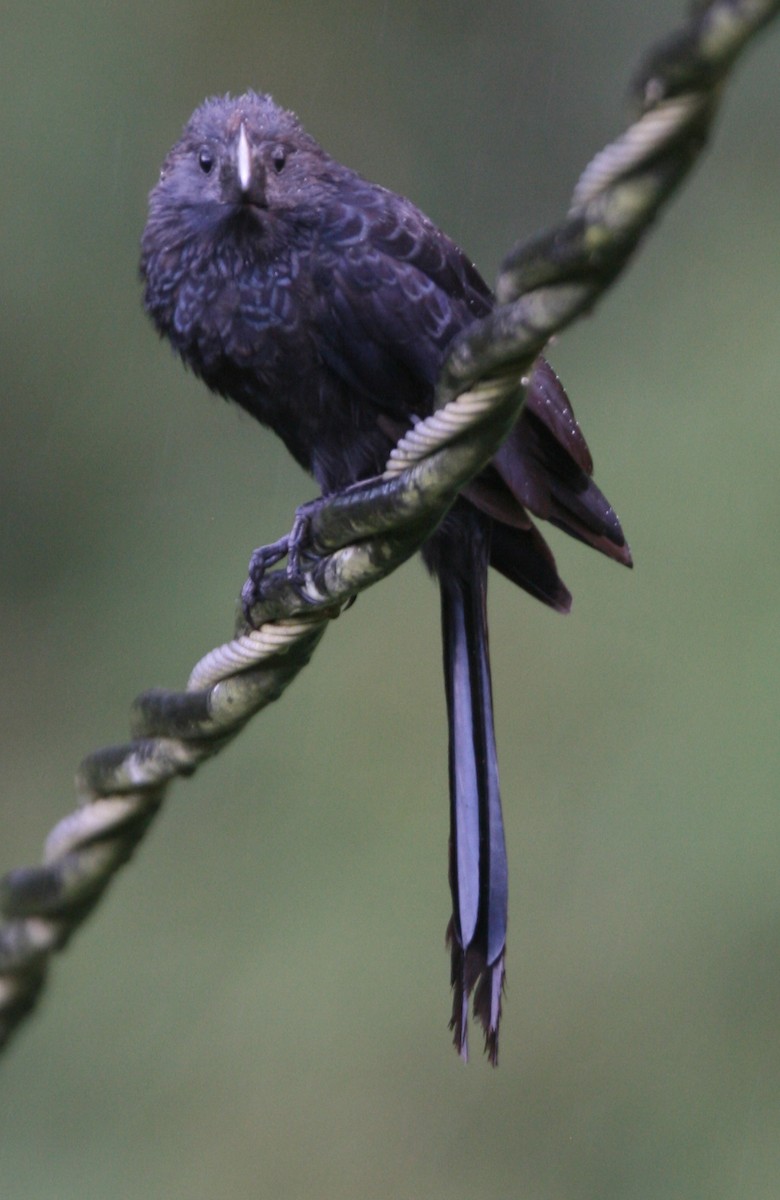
[{"x": 478, "y": 867}]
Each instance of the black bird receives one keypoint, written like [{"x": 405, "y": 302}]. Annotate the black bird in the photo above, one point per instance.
[{"x": 324, "y": 305}]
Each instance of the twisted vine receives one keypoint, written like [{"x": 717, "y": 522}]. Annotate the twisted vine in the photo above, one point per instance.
[{"x": 357, "y": 537}]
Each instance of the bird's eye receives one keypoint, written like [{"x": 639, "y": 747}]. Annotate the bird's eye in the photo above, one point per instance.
[
  {"x": 279, "y": 158},
  {"x": 205, "y": 160}
]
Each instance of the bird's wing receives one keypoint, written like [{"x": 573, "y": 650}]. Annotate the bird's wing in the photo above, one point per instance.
[
  {"x": 546, "y": 465},
  {"x": 391, "y": 292}
]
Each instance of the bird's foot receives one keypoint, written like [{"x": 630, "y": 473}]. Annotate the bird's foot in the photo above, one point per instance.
[{"x": 292, "y": 547}]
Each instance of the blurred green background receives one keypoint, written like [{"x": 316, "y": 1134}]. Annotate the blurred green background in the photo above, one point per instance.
[{"x": 259, "y": 1006}]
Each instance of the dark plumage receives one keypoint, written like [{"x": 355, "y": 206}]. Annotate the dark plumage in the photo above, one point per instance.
[{"x": 324, "y": 305}]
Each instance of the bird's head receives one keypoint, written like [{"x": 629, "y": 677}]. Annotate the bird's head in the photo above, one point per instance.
[{"x": 241, "y": 158}]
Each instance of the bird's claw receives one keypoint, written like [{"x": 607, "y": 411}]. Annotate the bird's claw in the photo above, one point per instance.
[
  {"x": 262, "y": 559},
  {"x": 293, "y": 546},
  {"x": 298, "y": 539}
]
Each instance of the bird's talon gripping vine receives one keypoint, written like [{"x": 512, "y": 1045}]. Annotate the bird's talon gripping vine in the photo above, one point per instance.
[{"x": 294, "y": 546}]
